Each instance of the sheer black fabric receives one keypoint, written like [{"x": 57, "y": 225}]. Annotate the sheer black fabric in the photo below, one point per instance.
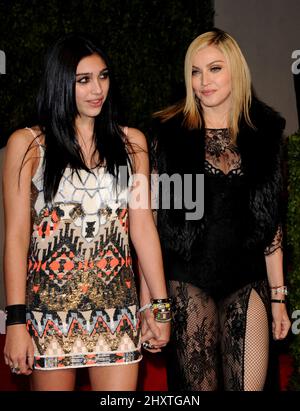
[
  {"x": 221, "y": 306},
  {"x": 276, "y": 243},
  {"x": 223, "y": 158},
  {"x": 219, "y": 344},
  {"x": 220, "y": 261}
]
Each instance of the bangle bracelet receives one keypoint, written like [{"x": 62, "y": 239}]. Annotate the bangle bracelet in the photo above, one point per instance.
[
  {"x": 160, "y": 300},
  {"x": 145, "y": 307},
  {"x": 162, "y": 317},
  {"x": 15, "y": 314},
  {"x": 279, "y": 290},
  {"x": 161, "y": 308},
  {"x": 278, "y": 301}
]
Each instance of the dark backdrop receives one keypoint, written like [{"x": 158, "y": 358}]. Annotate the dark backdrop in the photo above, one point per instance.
[{"x": 145, "y": 39}]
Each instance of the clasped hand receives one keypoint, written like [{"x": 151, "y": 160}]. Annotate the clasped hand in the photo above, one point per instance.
[{"x": 155, "y": 335}]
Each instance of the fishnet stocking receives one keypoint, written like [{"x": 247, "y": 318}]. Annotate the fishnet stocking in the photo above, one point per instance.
[
  {"x": 256, "y": 344},
  {"x": 234, "y": 330}
]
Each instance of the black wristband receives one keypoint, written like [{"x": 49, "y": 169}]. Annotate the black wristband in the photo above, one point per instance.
[
  {"x": 15, "y": 314},
  {"x": 167, "y": 300},
  {"x": 278, "y": 301}
]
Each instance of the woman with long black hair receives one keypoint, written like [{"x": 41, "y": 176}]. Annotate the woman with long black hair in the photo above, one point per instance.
[{"x": 71, "y": 295}]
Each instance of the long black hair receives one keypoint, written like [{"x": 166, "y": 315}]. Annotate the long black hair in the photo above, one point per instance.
[{"x": 57, "y": 111}]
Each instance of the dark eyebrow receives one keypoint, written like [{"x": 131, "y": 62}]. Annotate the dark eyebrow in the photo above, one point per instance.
[
  {"x": 88, "y": 74},
  {"x": 216, "y": 61},
  {"x": 213, "y": 62}
]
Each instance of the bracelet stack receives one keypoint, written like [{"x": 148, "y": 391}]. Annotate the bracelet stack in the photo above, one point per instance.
[
  {"x": 15, "y": 314},
  {"x": 281, "y": 289},
  {"x": 161, "y": 309}
]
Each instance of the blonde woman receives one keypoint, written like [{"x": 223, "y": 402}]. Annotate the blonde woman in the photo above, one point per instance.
[{"x": 225, "y": 269}]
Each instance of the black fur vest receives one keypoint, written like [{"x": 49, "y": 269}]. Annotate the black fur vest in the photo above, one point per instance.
[{"x": 181, "y": 151}]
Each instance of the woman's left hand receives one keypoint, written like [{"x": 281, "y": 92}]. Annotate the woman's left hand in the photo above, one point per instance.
[
  {"x": 155, "y": 335},
  {"x": 281, "y": 322}
]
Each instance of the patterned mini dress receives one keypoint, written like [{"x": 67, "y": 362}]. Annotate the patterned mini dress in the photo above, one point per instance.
[{"x": 82, "y": 305}]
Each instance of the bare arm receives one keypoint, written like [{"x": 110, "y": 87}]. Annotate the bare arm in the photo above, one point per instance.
[
  {"x": 281, "y": 322},
  {"x": 16, "y": 196},
  {"x": 275, "y": 268},
  {"x": 145, "y": 238},
  {"x": 142, "y": 227}
]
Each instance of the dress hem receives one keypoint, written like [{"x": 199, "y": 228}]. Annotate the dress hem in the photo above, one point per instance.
[
  {"x": 79, "y": 360},
  {"x": 88, "y": 365}
]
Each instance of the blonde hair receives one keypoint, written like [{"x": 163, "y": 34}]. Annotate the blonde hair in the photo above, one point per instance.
[{"x": 240, "y": 80}]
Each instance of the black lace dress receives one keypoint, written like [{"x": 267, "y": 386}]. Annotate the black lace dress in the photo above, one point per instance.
[
  {"x": 220, "y": 262},
  {"x": 221, "y": 303}
]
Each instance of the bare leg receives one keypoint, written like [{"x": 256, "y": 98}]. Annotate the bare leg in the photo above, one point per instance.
[
  {"x": 114, "y": 377},
  {"x": 245, "y": 338},
  {"x": 53, "y": 380},
  {"x": 256, "y": 345}
]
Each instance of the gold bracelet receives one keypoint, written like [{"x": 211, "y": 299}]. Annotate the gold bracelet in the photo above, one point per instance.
[{"x": 161, "y": 308}]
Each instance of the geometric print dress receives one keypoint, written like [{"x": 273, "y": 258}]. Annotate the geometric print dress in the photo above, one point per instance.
[{"x": 82, "y": 305}]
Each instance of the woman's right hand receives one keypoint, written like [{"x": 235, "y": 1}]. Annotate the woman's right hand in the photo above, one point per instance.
[{"x": 18, "y": 350}]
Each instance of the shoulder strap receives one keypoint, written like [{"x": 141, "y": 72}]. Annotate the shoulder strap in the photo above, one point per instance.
[
  {"x": 125, "y": 129},
  {"x": 34, "y": 135}
]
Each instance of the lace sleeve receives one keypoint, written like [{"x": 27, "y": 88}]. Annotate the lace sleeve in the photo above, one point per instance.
[{"x": 276, "y": 243}]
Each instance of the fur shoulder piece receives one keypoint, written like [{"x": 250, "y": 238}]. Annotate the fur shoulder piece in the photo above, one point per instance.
[
  {"x": 177, "y": 150},
  {"x": 260, "y": 150},
  {"x": 260, "y": 146},
  {"x": 180, "y": 150}
]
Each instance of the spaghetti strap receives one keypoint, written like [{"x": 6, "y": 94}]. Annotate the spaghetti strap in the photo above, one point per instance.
[
  {"x": 125, "y": 131},
  {"x": 34, "y": 135}
]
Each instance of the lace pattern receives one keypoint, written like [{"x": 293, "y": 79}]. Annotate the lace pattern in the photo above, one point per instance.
[
  {"x": 210, "y": 339},
  {"x": 221, "y": 155},
  {"x": 276, "y": 243},
  {"x": 222, "y": 158}
]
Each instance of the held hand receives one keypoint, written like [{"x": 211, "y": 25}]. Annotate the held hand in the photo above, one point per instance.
[
  {"x": 165, "y": 331},
  {"x": 281, "y": 323},
  {"x": 154, "y": 333},
  {"x": 149, "y": 326},
  {"x": 18, "y": 350}
]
